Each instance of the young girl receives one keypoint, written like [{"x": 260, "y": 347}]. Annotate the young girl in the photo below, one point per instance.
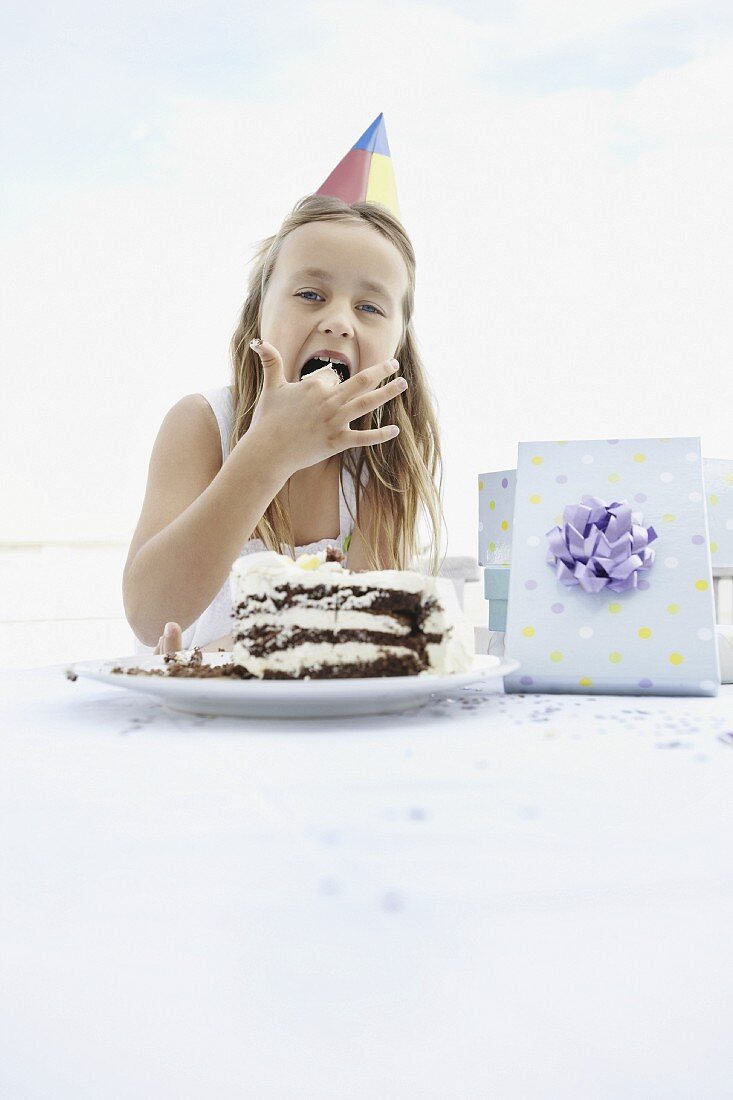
[{"x": 345, "y": 455}]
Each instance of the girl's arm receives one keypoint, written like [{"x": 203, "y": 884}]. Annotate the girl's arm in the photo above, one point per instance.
[
  {"x": 196, "y": 516},
  {"x": 356, "y": 557}
]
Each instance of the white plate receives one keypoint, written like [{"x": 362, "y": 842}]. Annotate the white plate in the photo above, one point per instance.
[{"x": 290, "y": 698}]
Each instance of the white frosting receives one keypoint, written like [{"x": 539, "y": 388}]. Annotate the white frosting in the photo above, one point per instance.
[
  {"x": 260, "y": 574},
  {"x": 456, "y": 651}
]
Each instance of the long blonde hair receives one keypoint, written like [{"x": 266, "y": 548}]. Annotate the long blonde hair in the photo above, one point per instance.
[{"x": 405, "y": 473}]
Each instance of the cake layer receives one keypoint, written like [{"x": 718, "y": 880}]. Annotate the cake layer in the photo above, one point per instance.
[
  {"x": 351, "y": 597},
  {"x": 314, "y": 618},
  {"x": 322, "y": 660},
  {"x": 268, "y": 638},
  {"x": 267, "y": 593}
]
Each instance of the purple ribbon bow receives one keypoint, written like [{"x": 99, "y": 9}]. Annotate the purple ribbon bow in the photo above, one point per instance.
[{"x": 600, "y": 546}]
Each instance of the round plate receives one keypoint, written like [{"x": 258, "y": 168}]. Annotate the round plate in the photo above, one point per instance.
[{"x": 290, "y": 698}]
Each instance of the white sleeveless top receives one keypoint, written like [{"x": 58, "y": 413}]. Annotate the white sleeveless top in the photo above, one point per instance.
[{"x": 215, "y": 621}]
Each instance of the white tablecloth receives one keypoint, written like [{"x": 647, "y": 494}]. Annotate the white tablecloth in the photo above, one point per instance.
[{"x": 494, "y": 897}]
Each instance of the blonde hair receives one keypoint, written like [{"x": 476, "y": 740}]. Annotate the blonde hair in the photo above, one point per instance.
[{"x": 405, "y": 473}]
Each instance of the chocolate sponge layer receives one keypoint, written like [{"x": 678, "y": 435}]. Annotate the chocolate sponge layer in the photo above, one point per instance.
[{"x": 408, "y": 606}]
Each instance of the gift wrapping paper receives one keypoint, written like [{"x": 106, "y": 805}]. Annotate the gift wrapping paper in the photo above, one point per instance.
[
  {"x": 496, "y": 514},
  {"x": 657, "y": 638}
]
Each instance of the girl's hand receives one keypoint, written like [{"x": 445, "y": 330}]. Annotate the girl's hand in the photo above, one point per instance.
[
  {"x": 172, "y": 641},
  {"x": 309, "y": 420}
]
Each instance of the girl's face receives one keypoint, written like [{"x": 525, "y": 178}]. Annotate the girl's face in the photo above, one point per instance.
[{"x": 319, "y": 298}]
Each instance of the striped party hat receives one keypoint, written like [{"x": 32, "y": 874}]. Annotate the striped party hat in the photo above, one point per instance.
[{"x": 365, "y": 174}]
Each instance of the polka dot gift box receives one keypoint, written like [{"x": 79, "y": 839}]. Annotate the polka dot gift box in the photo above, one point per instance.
[
  {"x": 610, "y": 586},
  {"x": 495, "y": 516},
  {"x": 718, "y": 474}
]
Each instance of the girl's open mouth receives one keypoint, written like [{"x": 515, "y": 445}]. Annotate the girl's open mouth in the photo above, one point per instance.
[{"x": 315, "y": 364}]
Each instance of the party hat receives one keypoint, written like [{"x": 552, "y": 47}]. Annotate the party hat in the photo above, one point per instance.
[{"x": 365, "y": 174}]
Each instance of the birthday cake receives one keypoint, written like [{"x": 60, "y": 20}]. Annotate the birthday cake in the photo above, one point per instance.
[{"x": 313, "y": 618}]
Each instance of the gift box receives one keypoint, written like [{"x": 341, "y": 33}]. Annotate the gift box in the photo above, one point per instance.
[
  {"x": 718, "y": 473},
  {"x": 495, "y": 516},
  {"x": 496, "y": 590},
  {"x": 637, "y": 616}
]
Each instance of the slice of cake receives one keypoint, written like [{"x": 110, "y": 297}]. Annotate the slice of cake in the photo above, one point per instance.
[{"x": 313, "y": 618}]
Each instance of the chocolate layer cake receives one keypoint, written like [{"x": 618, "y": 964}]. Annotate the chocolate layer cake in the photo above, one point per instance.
[{"x": 313, "y": 618}]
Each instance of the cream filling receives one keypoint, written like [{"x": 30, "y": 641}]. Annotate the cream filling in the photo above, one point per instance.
[{"x": 313, "y": 618}]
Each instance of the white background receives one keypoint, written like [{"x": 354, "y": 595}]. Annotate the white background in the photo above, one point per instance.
[{"x": 563, "y": 170}]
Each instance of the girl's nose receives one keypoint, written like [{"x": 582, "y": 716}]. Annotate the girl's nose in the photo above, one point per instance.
[{"x": 336, "y": 326}]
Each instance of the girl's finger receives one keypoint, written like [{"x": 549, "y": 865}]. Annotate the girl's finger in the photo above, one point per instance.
[
  {"x": 367, "y": 379},
  {"x": 271, "y": 360},
  {"x": 172, "y": 638},
  {"x": 372, "y": 437},
  {"x": 368, "y": 402}
]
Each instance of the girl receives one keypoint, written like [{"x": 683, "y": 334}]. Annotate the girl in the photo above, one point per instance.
[{"x": 344, "y": 455}]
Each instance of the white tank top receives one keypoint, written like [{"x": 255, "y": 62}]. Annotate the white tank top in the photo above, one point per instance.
[{"x": 215, "y": 621}]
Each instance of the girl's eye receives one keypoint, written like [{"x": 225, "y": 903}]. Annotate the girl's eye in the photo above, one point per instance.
[{"x": 300, "y": 294}]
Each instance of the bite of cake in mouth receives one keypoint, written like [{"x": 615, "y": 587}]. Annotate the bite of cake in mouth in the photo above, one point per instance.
[{"x": 340, "y": 365}]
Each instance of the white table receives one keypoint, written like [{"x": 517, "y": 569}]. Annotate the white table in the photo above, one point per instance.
[{"x": 501, "y": 897}]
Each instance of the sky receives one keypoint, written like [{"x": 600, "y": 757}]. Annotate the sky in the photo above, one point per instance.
[{"x": 563, "y": 170}]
